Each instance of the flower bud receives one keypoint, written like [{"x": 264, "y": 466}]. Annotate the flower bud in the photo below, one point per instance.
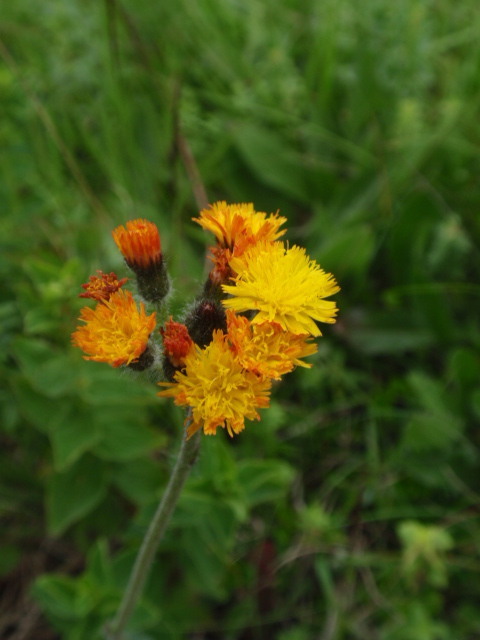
[
  {"x": 140, "y": 245},
  {"x": 102, "y": 286},
  {"x": 176, "y": 345},
  {"x": 206, "y": 316}
]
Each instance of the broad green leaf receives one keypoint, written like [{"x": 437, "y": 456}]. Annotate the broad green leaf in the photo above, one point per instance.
[
  {"x": 74, "y": 493},
  {"x": 124, "y": 436},
  {"x": 141, "y": 480},
  {"x": 430, "y": 392},
  {"x": 56, "y": 594},
  {"x": 31, "y": 353},
  {"x": 71, "y": 437},
  {"x": 425, "y": 431},
  {"x": 49, "y": 373},
  {"x": 464, "y": 367},
  {"x": 203, "y": 566},
  {"x": 204, "y": 527},
  {"x": 41, "y": 411},
  {"x": 264, "y": 480},
  {"x": 212, "y": 519},
  {"x": 101, "y": 385}
]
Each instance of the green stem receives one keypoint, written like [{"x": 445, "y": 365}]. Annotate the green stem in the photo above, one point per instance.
[{"x": 186, "y": 458}]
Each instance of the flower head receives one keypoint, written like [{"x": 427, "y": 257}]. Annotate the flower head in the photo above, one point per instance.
[
  {"x": 236, "y": 227},
  {"x": 115, "y": 331},
  {"x": 220, "y": 392},
  {"x": 176, "y": 341},
  {"x": 284, "y": 285},
  {"x": 235, "y": 224},
  {"x": 102, "y": 286},
  {"x": 266, "y": 349},
  {"x": 139, "y": 243}
]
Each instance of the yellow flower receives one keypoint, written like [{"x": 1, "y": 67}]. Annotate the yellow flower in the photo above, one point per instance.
[
  {"x": 139, "y": 243},
  {"x": 220, "y": 392},
  {"x": 115, "y": 331},
  {"x": 266, "y": 349},
  {"x": 235, "y": 224},
  {"x": 284, "y": 285}
]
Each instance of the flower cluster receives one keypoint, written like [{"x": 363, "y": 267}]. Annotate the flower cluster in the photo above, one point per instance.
[{"x": 254, "y": 322}]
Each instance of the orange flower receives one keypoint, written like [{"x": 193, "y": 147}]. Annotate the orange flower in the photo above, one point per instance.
[
  {"x": 233, "y": 224},
  {"x": 220, "y": 392},
  {"x": 266, "y": 349},
  {"x": 115, "y": 331},
  {"x": 176, "y": 341},
  {"x": 139, "y": 243},
  {"x": 236, "y": 227},
  {"x": 101, "y": 287}
]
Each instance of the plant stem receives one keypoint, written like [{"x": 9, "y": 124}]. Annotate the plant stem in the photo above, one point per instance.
[{"x": 186, "y": 458}]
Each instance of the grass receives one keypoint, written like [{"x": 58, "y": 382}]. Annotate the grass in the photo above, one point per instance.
[{"x": 359, "y": 123}]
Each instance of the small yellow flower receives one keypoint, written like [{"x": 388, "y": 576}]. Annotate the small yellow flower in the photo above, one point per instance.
[
  {"x": 219, "y": 391},
  {"x": 240, "y": 224},
  {"x": 284, "y": 285},
  {"x": 115, "y": 331},
  {"x": 139, "y": 243},
  {"x": 266, "y": 349}
]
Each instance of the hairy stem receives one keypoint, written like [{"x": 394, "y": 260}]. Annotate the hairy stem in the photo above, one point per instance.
[{"x": 186, "y": 458}]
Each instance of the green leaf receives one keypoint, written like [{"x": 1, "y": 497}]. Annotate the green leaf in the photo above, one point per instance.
[
  {"x": 425, "y": 431},
  {"x": 348, "y": 252},
  {"x": 102, "y": 385},
  {"x": 50, "y": 374},
  {"x": 140, "y": 479},
  {"x": 122, "y": 436},
  {"x": 434, "y": 427},
  {"x": 56, "y": 594},
  {"x": 271, "y": 159},
  {"x": 42, "y": 412},
  {"x": 464, "y": 366},
  {"x": 74, "y": 493},
  {"x": 205, "y": 528},
  {"x": 71, "y": 437},
  {"x": 30, "y": 353},
  {"x": 430, "y": 393},
  {"x": 264, "y": 480}
]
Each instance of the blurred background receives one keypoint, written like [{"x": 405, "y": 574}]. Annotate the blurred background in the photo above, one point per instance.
[{"x": 352, "y": 509}]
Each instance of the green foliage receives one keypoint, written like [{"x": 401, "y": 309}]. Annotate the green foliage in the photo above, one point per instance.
[
  {"x": 424, "y": 548},
  {"x": 351, "y": 509}
]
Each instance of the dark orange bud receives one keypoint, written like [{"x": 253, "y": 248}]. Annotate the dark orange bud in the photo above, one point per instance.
[
  {"x": 102, "y": 286},
  {"x": 221, "y": 272},
  {"x": 139, "y": 243},
  {"x": 176, "y": 341}
]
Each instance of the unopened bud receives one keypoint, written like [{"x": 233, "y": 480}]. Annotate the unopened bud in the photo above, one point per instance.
[
  {"x": 141, "y": 247},
  {"x": 206, "y": 316}
]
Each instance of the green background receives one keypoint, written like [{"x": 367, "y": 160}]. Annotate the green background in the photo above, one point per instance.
[{"x": 352, "y": 509}]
